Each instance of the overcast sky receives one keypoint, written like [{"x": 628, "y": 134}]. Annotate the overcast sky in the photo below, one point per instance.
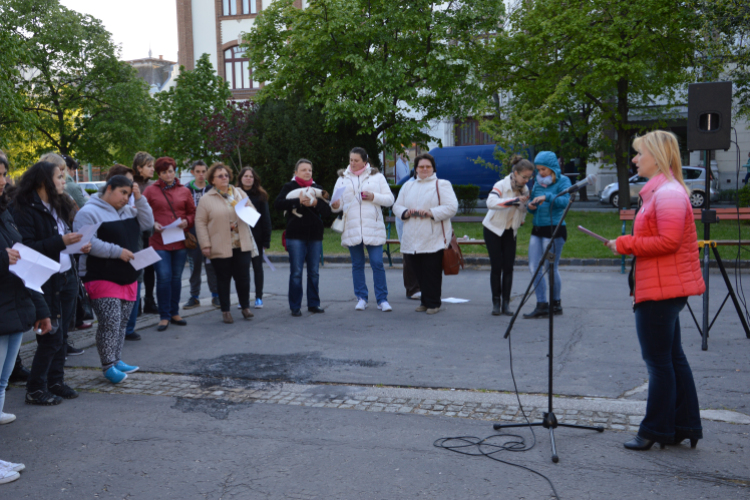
[{"x": 135, "y": 24}]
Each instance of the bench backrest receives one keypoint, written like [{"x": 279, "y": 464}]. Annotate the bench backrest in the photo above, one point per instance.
[{"x": 733, "y": 213}]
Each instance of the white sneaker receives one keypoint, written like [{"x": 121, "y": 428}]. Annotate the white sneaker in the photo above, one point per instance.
[
  {"x": 7, "y": 476},
  {"x": 361, "y": 305},
  {"x": 416, "y": 296},
  {"x": 6, "y": 418},
  {"x": 385, "y": 306},
  {"x": 11, "y": 466}
]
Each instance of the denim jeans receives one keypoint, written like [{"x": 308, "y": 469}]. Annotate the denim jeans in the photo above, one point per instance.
[
  {"x": 169, "y": 281},
  {"x": 672, "y": 403},
  {"x": 536, "y": 249},
  {"x": 301, "y": 251},
  {"x": 9, "y": 346},
  {"x": 375, "y": 252},
  {"x": 130, "y": 329}
]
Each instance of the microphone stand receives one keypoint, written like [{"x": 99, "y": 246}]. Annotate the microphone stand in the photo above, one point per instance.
[{"x": 549, "y": 420}]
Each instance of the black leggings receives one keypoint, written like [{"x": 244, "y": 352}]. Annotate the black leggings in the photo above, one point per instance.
[
  {"x": 149, "y": 274},
  {"x": 502, "y": 250},
  {"x": 238, "y": 267},
  {"x": 258, "y": 273}
]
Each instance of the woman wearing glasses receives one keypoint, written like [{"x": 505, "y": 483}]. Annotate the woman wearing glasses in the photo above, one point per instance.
[
  {"x": 506, "y": 206},
  {"x": 225, "y": 239}
]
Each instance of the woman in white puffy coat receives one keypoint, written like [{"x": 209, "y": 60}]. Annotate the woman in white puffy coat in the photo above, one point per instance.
[
  {"x": 365, "y": 193},
  {"x": 426, "y": 206}
]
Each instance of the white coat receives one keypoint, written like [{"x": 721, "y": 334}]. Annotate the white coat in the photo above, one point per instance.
[
  {"x": 363, "y": 219},
  {"x": 497, "y": 216},
  {"x": 424, "y": 235}
]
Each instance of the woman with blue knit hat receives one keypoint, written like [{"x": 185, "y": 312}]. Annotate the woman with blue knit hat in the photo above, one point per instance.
[{"x": 549, "y": 182}]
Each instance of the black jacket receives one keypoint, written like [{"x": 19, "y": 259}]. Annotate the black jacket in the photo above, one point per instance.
[
  {"x": 310, "y": 225},
  {"x": 20, "y": 307},
  {"x": 262, "y": 229},
  {"x": 39, "y": 232}
]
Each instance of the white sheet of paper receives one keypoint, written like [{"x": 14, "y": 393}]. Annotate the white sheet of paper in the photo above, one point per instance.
[
  {"x": 454, "y": 300},
  {"x": 33, "y": 268},
  {"x": 248, "y": 214},
  {"x": 86, "y": 232},
  {"x": 131, "y": 201},
  {"x": 337, "y": 194},
  {"x": 268, "y": 261},
  {"x": 144, "y": 258},
  {"x": 172, "y": 233}
]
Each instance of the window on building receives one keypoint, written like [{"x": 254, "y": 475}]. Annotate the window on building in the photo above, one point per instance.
[
  {"x": 229, "y": 7},
  {"x": 237, "y": 70},
  {"x": 249, "y": 7}
]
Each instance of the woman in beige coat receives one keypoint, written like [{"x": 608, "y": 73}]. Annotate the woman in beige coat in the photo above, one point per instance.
[{"x": 225, "y": 239}]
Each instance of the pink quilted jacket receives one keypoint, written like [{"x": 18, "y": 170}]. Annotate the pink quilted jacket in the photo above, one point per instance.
[{"x": 665, "y": 244}]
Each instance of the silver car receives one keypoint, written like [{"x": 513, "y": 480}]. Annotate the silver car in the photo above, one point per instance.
[{"x": 695, "y": 178}]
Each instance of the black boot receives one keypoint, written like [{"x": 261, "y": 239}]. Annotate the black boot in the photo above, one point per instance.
[
  {"x": 557, "y": 307},
  {"x": 19, "y": 373},
  {"x": 496, "y": 306},
  {"x": 150, "y": 306},
  {"x": 506, "y": 308},
  {"x": 541, "y": 311}
]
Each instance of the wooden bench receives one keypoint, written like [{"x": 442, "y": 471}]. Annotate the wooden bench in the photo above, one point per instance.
[
  {"x": 460, "y": 218},
  {"x": 732, "y": 213}
]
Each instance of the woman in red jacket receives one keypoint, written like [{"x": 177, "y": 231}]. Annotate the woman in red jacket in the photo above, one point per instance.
[
  {"x": 666, "y": 271},
  {"x": 169, "y": 201}
]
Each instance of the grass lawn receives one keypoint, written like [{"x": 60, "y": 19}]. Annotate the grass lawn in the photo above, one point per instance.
[{"x": 578, "y": 245}]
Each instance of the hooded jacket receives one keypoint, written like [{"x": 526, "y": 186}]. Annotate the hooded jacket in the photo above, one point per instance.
[
  {"x": 665, "y": 243},
  {"x": 363, "y": 219},
  {"x": 184, "y": 208},
  {"x": 497, "y": 216},
  {"x": 98, "y": 210},
  {"x": 542, "y": 211},
  {"x": 424, "y": 235}
]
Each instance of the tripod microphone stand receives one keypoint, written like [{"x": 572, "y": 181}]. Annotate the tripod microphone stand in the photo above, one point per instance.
[{"x": 550, "y": 420}]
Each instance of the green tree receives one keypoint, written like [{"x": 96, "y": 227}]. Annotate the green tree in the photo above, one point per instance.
[
  {"x": 12, "y": 54},
  {"x": 81, "y": 99},
  {"x": 614, "y": 56},
  {"x": 196, "y": 97},
  {"x": 387, "y": 65}
]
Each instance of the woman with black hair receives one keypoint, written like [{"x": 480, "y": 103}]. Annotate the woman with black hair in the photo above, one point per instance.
[
  {"x": 249, "y": 181},
  {"x": 43, "y": 213},
  {"x": 143, "y": 173},
  {"x": 110, "y": 279}
]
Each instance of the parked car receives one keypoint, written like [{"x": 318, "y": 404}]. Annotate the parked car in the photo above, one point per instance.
[
  {"x": 90, "y": 188},
  {"x": 695, "y": 178}
]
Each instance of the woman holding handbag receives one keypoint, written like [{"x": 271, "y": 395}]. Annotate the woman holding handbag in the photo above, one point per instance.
[
  {"x": 169, "y": 201},
  {"x": 226, "y": 239},
  {"x": 365, "y": 193},
  {"x": 426, "y": 206}
]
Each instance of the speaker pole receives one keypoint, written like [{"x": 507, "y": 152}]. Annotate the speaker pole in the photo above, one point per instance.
[{"x": 706, "y": 218}]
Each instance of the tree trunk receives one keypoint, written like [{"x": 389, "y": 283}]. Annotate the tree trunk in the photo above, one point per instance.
[{"x": 622, "y": 144}]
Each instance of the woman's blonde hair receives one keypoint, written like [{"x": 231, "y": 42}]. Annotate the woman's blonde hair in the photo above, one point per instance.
[{"x": 665, "y": 149}]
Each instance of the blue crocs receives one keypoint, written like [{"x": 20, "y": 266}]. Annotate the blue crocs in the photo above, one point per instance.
[
  {"x": 258, "y": 304},
  {"x": 114, "y": 375},
  {"x": 125, "y": 368}
]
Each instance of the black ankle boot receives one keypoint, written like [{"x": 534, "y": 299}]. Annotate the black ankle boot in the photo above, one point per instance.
[
  {"x": 641, "y": 444},
  {"x": 19, "y": 373},
  {"x": 557, "y": 307},
  {"x": 496, "y": 306},
  {"x": 506, "y": 308},
  {"x": 150, "y": 306},
  {"x": 541, "y": 311}
]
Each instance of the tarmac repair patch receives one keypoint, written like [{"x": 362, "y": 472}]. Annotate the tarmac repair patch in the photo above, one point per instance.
[
  {"x": 216, "y": 408},
  {"x": 297, "y": 368}
]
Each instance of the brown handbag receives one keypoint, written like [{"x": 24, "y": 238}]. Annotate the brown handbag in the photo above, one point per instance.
[{"x": 453, "y": 259}]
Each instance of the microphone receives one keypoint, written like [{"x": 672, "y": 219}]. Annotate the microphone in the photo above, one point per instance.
[{"x": 578, "y": 185}]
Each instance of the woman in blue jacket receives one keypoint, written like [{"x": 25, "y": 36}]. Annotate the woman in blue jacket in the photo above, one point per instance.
[{"x": 549, "y": 182}]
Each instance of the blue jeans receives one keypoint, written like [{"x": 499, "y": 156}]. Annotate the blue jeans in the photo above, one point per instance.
[
  {"x": 9, "y": 346},
  {"x": 536, "y": 249},
  {"x": 375, "y": 252},
  {"x": 130, "y": 329},
  {"x": 169, "y": 281},
  {"x": 301, "y": 251},
  {"x": 672, "y": 403}
]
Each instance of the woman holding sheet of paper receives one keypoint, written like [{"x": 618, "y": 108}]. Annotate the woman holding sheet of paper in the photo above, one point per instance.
[
  {"x": 170, "y": 201},
  {"x": 226, "y": 239},
  {"x": 109, "y": 277},
  {"x": 249, "y": 181},
  {"x": 43, "y": 214}
]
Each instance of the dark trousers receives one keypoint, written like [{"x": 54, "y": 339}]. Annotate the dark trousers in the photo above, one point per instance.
[
  {"x": 196, "y": 259},
  {"x": 48, "y": 366},
  {"x": 410, "y": 277},
  {"x": 238, "y": 267},
  {"x": 502, "y": 250},
  {"x": 149, "y": 274},
  {"x": 672, "y": 403},
  {"x": 258, "y": 273},
  {"x": 429, "y": 270}
]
